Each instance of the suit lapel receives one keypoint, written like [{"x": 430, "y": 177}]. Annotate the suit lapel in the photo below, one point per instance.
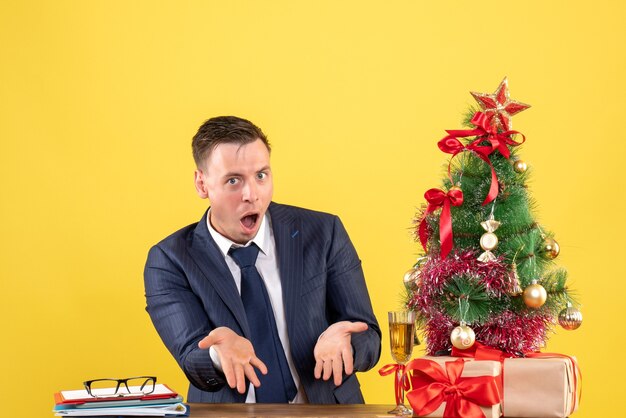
[
  {"x": 290, "y": 259},
  {"x": 210, "y": 260}
]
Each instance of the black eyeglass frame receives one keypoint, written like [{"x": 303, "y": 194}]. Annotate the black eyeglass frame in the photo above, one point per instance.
[{"x": 149, "y": 380}]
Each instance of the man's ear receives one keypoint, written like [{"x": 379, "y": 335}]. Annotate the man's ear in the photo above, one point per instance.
[{"x": 199, "y": 181}]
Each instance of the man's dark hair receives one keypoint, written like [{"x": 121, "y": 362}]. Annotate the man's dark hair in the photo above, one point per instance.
[{"x": 224, "y": 130}]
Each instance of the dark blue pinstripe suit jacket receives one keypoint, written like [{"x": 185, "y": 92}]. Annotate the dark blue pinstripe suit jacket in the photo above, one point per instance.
[{"x": 190, "y": 291}]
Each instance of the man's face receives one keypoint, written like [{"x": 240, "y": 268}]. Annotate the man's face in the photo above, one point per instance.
[{"x": 237, "y": 180}]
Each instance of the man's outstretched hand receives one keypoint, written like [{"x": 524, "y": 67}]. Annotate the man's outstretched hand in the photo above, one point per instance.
[
  {"x": 236, "y": 356},
  {"x": 333, "y": 351}
]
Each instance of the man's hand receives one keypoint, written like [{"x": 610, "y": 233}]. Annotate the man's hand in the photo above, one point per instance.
[
  {"x": 237, "y": 357},
  {"x": 333, "y": 351}
]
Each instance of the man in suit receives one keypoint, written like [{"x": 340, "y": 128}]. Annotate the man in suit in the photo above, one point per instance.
[{"x": 259, "y": 301}]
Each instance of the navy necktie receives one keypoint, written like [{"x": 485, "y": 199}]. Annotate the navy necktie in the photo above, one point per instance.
[{"x": 277, "y": 386}]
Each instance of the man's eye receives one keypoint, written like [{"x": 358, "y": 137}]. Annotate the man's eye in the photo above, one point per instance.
[
  {"x": 232, "y": 181},
  {"x": 261, "y": 176}
]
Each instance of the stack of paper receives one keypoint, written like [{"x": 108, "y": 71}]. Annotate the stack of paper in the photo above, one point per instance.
[{"x": 163, "y": 402}]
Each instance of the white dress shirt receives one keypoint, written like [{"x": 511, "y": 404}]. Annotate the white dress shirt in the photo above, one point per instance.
[{"x": 267, "y": 265}]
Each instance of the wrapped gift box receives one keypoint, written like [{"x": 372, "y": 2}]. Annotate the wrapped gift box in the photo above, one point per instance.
[
  {"x": 540, "y": 387},
  {"x": 470, "y": 369}
]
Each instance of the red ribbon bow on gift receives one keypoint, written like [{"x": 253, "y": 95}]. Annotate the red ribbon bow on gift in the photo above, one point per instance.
[
  {"x": 437, "y": 198},
  {"x": 480, "y": 351},
  {"x": 432, "y": 385},
  {"x": 498, "y": 141},
  {"x": 401, "y": 384}
]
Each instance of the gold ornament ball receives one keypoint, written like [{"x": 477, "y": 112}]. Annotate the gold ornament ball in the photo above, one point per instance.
[
  {"x": 551, "y": 248},
  {"x": 488, "y": 241},
  {"x": 535, "y": 295},
  {"x": 455, "y": 188},
  {"x": 520, "y": 166},
  {"x": 462, "y": 337},
  {"x": 570, "y": 318},
  {"x": 412, "y": 279}
]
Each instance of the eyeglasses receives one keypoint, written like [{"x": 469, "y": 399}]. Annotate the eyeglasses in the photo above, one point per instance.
[{"x": 132, "y": 386}]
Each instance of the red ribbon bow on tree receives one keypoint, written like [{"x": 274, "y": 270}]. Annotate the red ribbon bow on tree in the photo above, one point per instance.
[
  {"x": 432, "y": 385},
  {"x": 498, "y": 141},
  {"x": 437, "y": 198},
  {"x": 452, "y": 145}
]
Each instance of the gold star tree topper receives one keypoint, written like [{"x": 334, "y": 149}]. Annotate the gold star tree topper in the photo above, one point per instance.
[{"x": 498, "y": 107}]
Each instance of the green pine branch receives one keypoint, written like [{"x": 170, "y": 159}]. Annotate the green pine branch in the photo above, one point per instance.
[{"x": 467, "y": 288}]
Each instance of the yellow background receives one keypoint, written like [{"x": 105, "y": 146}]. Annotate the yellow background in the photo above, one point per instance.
[{"x": 99, "y": 101}]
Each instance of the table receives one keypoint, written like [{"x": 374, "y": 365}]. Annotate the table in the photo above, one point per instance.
[
  {"x": 205, "y": 410},
  {"x": 242, "y": 410}
]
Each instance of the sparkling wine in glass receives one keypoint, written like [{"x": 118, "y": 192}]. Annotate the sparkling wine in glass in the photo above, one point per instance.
[{"x": 401, "y": 338}]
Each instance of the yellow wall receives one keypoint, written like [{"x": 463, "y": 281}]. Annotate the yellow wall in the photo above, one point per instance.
[{"x": 99, "y": 100}]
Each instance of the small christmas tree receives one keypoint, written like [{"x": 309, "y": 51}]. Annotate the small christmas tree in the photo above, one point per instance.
[{"x": 488, "y": 270}]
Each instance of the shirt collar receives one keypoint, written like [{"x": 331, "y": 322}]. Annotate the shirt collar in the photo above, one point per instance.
[{"x": 261, "y": 239}]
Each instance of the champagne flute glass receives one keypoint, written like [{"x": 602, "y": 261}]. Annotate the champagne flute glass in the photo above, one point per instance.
[{"x": 401, "y": 335}]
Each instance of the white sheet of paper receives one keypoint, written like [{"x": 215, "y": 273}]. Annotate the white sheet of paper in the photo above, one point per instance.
[{"x": 71, "y": 395}]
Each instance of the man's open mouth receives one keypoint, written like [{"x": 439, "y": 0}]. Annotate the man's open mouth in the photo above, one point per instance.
[{"x": 249, "y": 221}]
